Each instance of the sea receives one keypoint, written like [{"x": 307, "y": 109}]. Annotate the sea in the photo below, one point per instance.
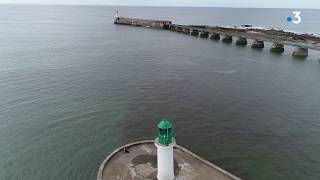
[{"x": 74, "y": 87}]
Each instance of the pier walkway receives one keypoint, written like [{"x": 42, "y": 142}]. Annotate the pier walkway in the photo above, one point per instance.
[
  {"x": 279, "y": 38},
  {"x": 138, "y": 161}
]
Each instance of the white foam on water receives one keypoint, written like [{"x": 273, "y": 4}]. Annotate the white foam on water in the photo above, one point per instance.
[{"x": 226, "y": 71}]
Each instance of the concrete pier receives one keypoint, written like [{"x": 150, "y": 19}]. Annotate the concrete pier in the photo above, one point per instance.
[
  {"x": 138, "y": 161},
  {"x": 257, "y": 44},
  {"x": 227, "y": 39},
  {"x": 277, "y": 48},
  {"x": 194, "y": 32},
  {"x": 178, "y": 29},
  {"x": 300, "y": 52},
  {"x": 204, "y": 34},
  {"x": 215, "y": 36},
  {"x": 157, "y": 24},
  {"x": 172, "y": 28},
  {"x": 303, "y": 42},
  {"x": 241, "y": 41},
  {"x": 186, "y": 30}
]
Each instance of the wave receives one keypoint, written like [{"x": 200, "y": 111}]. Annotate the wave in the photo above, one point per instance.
[{"x": 226, "y": 71}]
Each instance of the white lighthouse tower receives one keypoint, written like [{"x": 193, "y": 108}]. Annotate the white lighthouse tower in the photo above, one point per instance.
[
  {"x": 165, "y": 143},
  {"x": 117, "y": 14}
]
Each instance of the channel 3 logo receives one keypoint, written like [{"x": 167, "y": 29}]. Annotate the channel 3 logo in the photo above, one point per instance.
[{"x": 296, "y": 19}]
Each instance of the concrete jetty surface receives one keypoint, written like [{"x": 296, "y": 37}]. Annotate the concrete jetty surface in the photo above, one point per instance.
[
  {"x": 138, "y": 161},
  {"x": 157, "y": 24},
  {"x": 302, "y": 42},
  {"x": 268, "y": 35}
]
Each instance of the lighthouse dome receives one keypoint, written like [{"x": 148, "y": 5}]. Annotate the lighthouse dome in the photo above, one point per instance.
[
  {"x": 165, "y": 135},
  {"x": 165, "y": 124}
]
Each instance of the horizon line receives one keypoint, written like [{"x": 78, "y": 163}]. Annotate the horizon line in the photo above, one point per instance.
[{"x": 169, "y": 6}]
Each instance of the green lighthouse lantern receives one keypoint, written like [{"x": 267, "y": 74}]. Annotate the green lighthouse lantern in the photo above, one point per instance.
[{"x": 165, "y": 132}]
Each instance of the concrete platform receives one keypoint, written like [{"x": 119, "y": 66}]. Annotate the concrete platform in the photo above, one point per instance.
[
  {"x": 138, "y": 161},
  {"x": 306, "y": 41}
]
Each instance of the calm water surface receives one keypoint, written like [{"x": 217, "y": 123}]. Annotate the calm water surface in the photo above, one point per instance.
[{"x": 73, "y": 87}]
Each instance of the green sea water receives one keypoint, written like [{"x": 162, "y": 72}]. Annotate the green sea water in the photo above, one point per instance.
[{"x": 74, "y": 86}]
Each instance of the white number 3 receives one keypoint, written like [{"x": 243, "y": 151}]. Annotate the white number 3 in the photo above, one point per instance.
[{"x": 297, "y": 18}]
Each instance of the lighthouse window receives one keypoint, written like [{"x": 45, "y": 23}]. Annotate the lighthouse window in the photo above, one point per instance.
[{"x": 163, "y": 131}]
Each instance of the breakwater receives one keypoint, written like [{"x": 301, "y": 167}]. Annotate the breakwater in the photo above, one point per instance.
[
  {"x": 279, "y": 38},
  {"x": 139, "y": 161}
]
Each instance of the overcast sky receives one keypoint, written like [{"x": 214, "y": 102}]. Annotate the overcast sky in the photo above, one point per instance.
[{"x": 204, "y": 3}]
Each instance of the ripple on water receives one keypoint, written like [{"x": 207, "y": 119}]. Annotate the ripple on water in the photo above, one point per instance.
[{"x": 226, "y": 71}]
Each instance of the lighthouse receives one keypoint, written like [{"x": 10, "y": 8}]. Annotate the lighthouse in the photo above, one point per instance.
[
  {"x": 165, "y": 143},
  {"x": 117, "y": 14}
]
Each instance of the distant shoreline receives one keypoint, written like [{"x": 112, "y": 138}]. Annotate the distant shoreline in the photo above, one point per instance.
[{"x": 106, "y": 5}]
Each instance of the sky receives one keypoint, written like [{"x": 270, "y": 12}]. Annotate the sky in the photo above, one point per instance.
[{"x": 298, "y": 4}]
